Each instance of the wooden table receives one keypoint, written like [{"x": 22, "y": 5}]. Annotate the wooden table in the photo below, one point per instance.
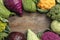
[{"x": 35, "y": 21}]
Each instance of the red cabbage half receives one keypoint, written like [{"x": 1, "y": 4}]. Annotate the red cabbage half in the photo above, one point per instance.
[{"x": 14, "y": 5}]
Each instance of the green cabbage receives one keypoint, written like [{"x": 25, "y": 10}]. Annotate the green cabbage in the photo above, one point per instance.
[
  {"x": 29, "y": 5},
  {"x": 31, "y": 35}
]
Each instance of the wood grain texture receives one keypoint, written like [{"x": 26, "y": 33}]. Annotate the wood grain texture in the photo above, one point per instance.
[{"x": 35, "y": 21}]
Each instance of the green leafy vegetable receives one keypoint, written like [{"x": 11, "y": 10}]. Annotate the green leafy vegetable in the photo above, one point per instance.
[
  {"x": 1, "y": 1},
  {"x": 3, "y": 35},
  {"x": 3, "y": 24},
  {"x": 7, "y": 29},
  {"x": 42, "y": 11},
  {"x": 3, "y": 19},
  {"x": 39, "y": 34},
  {"x": 35, "y": 1},
  {"x": 4, "y": 28},
  {"x": 4, "y": 12}
]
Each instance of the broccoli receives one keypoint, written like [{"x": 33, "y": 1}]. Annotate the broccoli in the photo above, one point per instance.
[{"x": 54, "y": 12}]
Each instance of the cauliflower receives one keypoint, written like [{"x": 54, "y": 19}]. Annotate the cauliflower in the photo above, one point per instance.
[
  {"x": 45, "y": 5},
  {"x": 55, "y": 26},
  {"x": 2, "y": 26},
  {"x": 54, "y": 13},
  {"x": 50, "y": 36}
]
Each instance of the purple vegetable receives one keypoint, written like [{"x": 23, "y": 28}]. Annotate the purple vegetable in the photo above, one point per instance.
[
  {"x": 14, "y": 5},
  {"x": 16, "y": 36},
  {"x": 50, "y": 36}
]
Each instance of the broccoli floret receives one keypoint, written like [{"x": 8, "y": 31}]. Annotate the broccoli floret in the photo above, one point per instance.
[{"x": 54, "y": 13}]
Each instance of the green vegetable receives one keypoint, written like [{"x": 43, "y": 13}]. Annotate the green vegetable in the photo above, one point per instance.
[
  {"x": 3, "y": 20},
  {"x": 3, "y": 24},
  {"x": 39, "y": 34},
  {"x": 41, "y": 10},
  {"x": 54, "y": 13},
  {"x": 4, "y": 28},
  {"x": 29, "y": 5},
  {"x": 1, "y": 1},
  {"x": 58, "y": 1},
  {"x": 4, "y": 12},
  {"x": 55, "y": 26},
  {"x": 35, "y": 1},
  {"x": 7, "y": 29},
  {"x": 3, "y": 35},
  {"x": 31, "y": 35}
]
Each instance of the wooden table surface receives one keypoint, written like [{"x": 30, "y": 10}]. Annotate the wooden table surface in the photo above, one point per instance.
[{"x": 35, "y": 21}]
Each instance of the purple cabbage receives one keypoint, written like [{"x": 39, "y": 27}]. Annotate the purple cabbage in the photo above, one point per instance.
[
  {"x": 16, "y": 36},
  {"x": 14, "y": 5}
]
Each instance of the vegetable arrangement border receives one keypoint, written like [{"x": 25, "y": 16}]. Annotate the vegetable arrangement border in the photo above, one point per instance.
[
  {"x": 10, "y": 7},
  {"x": 4, "y": 28}
]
